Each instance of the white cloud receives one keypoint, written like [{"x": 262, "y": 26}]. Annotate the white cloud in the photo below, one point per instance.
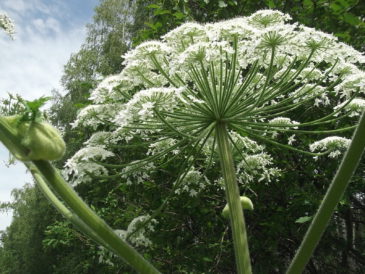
[
  {"x": 32, "y": 64},
  {"x": 49, "y": 25},
  {"x": 24, "y": 6}
]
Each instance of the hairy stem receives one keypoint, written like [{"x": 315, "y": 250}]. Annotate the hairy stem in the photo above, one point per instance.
[
  {"x": 331, "y": 199},
  {"x": 233, "y": 198}
]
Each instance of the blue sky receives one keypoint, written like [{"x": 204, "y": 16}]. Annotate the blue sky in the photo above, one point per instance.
[{"x": 47, "y": 32}]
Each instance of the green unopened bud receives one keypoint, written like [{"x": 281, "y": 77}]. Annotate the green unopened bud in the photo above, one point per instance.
[
  {"x": 245, "y": 202},
  {"x": 40, "y": 139}
]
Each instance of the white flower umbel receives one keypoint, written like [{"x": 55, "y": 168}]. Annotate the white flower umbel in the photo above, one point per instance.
[
  {"x": 192, "y": 183},
  {"x": 136, "y": 232},
  {"x": 81, "y": 167},
  {"x": 354, "y": 107},
  {"x": 334, "y": 145},
  {"x": 7, "y": 24},
  {"x": 220, "y": 86}
]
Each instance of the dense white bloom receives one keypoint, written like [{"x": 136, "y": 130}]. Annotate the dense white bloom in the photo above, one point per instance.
[
  {"x": 80, "y": 168},
  {"x": 355, "y": 107},
  {"x": 259, "y": 75},
  {"x": 227, "y": 29},
  {"x": 140, "y": 107},
  {"x": 333, "y": 144},
  {"x": 265, "y": 18},
  {"x": 161, "y": 145},
  {"x": 181, "y": 37},
  {"x": 95, "y": 115},
  {"x": 283, "y": 121},
  {"x": 192, "y": 183},
  {"x": 137, "y": 174},
  {"x": 351, "y": 84},
  {"x": 256, "y": 168},
  {"x": 107, "y": 89},
  {"x": 138, "y": 238},
  {"x": 99, "y": 139},
  {"x": 144, "y": 51}
]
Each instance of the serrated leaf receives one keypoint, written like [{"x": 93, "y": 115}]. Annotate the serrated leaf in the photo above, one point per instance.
[
  {"x": 37, "y": 103},
  {"x": 303, "y": 219}
]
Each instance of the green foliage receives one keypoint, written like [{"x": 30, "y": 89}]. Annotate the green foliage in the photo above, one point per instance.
[
  {"x": 22, "y": 241},
  {"x": 12, "y": 105},
  {"x": 32, "y": 112},
  {"x": 341, "y": 17},
  {"x": 41, "y": 242}
]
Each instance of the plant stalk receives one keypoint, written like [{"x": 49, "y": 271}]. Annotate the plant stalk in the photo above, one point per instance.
[
  {"x": 61, "y": 208},
  {"x": 237, "y": 220},
  {"x": 86, "y": 218},
  {"x": 94, "y": 222},
  {"x": 334, "y": 193}
]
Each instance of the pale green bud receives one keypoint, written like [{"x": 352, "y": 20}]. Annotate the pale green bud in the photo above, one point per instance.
[
  {"x": 41, "y": 140},
  {"x": 245, "y": 202}
]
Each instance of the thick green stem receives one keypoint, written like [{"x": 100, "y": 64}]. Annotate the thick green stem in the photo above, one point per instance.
[
  {"x": 61, "y": 208},
  {"x": 233, "y": 198},
  {"x": 96, "y": 224},
  {"x": 82, "y": 214},
  {"x": 334, "y": 193}
]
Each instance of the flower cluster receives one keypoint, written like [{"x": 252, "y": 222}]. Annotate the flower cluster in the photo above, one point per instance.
[
  {"x": 136, "y": 232},
  {"x": 260, "y": 77},
  {"x": 7, "y": 24},
  {"x": 333, "y": 144}
]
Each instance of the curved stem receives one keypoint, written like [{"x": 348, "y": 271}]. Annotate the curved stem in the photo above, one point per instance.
[
  {"x": 331, "y": 199},
  {"x": 233, "y": 198},
  {"x": 86, "y": 218},
  {"x": 61, "y": 208},
  {"x": 95, "y": 223}
]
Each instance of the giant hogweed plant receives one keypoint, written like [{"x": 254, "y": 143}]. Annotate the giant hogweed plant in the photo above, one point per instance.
[{"x": 210, "y": 96}]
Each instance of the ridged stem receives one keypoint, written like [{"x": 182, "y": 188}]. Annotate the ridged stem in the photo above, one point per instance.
[
  {"x": 237, "y": 220},
  {"x": 334, "y": 193}
]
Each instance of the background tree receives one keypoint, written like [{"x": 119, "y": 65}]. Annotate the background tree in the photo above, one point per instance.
[{"x": 182, "y": 229}]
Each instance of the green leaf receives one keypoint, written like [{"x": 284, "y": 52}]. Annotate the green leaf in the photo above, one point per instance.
[
  {"x": 154, "y": 26},
  {"x": 207, "y": 259},
  {"x": 351, "y": 19},
  {"x": 179, "y": 15},
  {"x": 343, "y": 3},
  {"x": 232, "y": 3},
  {"x": 271, "y": 4},
  {"x": 308, "y": 4},
  {"x": 36, "y": 104},
  {"x": 161, "y": 12},
  {"x": 336, "y": 8},
  {"x": 303, "y": 219},
  {"x": 153, "y": 6}
]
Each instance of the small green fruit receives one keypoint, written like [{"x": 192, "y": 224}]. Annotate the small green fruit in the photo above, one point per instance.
[{"x": 245, "y": 202}]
